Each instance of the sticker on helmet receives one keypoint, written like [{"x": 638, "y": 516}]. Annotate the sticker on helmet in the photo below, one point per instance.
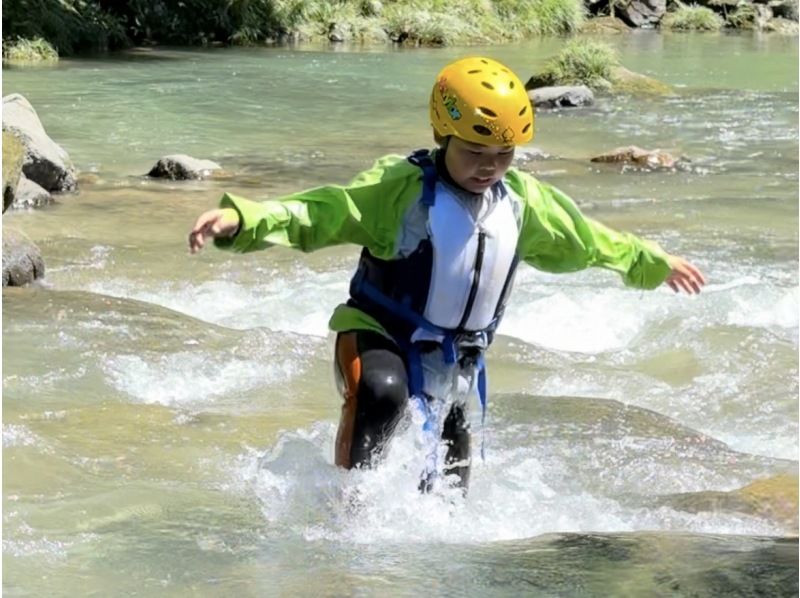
[{"x": 448, "y": 100}]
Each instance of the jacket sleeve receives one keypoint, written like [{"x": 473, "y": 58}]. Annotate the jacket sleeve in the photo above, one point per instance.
[
  {"x": 556, "y": 237},
  {"x": 366, "y": 212}
]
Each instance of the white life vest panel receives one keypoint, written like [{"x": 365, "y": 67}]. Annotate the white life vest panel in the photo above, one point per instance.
[{"x": 471, "y": 256}]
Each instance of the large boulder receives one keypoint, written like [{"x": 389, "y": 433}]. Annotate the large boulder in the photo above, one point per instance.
[
  {"x": 561, "y": 96},
  {"x": 30, "y": 195},
  {"x": 13, "y": 157},
  {"x": 22, "y": 259},
  {"x": 641, "y": 13},
  {"x": 46, "y": 163},
  {"x": 180, "y": 167}
]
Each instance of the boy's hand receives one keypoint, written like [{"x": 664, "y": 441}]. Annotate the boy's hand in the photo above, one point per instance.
[
  {"x": 684, "y": 276},
  {"x": 214, "y": 223}
]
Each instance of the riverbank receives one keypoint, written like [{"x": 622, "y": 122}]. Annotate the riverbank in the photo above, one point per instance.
[{"x": 70, "y": 27}]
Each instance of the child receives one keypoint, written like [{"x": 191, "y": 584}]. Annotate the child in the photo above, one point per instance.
[{"x": 442, "y": 234}]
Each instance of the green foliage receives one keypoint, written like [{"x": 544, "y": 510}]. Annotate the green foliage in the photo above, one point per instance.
[
  {"x": 521, "y": 18},
  {"x": 581, "y": 62},
  {"x": 76, "y": 25},
  {"x": 409, "y": 24},
  {"x": 68, "y": 25},
  {"x": 29, "y": 50},
  {"x": 692, "y": 18},
  {"x": 744, "y": 17}
]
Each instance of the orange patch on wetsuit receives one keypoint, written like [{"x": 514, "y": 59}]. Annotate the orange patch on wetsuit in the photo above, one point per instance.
[{"x": 349, "y": 364}]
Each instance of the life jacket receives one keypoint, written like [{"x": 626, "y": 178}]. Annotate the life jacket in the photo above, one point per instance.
[{"x": 452, "y": 289}]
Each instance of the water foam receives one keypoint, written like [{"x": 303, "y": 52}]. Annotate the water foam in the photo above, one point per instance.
[
  {"x": 301, "y": 492},
  {"x": 192, "y": 379}
]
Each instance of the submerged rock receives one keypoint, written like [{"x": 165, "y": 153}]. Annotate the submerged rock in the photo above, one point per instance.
[
  {"x": 774, "y": 498},
  {"x": 646, "y": 159},
  {"x": 561, "y": 96},
  {"x": 30, "y": 195},
  {"x": 180, "y": 167},
  {"x": 22, "y": 259},
  {"x": 627, "y": 81},
  {"x": 46, "y": 163}
]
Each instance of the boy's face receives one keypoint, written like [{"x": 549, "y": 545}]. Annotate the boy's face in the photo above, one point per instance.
[{"x": 477, "y": 167}]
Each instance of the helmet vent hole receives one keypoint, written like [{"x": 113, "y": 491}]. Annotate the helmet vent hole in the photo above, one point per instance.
[
  {"x": 525, "y": 128},
  {"x": 484, "y": 61},
  {"x": 523, "y": 111},
  {"x": 487, "y": 112},
  {"x": 487, "y": 85},
  {"x": 481, "y": 130},
  {"x": 511, "y": 85},
  {"x": 474, "y": 71}
]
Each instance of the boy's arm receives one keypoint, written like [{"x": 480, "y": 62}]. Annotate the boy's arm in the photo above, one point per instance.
[
  {"x": 557, "y": 237},
  {"x": 366, "y": 212}
]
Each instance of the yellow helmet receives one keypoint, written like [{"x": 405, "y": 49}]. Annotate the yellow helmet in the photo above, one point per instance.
[{"x": 480, "y": 100}]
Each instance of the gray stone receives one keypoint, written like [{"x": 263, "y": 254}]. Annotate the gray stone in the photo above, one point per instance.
[
  {"x": 22, "y": 259},
  {"x": 371, "y": 8},
  {"x": 641, "y": 13},
  {"x": 46, "y": 163},
  {"x": 339, "y": 32},
  {"x": 180, "y": 167},
  {"x": 561, "y": 96},
  {"x": 30, "y": 195}
]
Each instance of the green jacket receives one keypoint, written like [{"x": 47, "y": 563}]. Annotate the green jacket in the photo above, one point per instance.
[{"x": 554, "y": 235}]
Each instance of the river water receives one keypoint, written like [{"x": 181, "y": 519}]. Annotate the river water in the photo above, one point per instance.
[{"x": 168, "y": 420}]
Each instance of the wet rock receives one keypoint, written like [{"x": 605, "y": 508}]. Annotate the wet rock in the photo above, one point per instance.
[
  {"x": 627, "y": 81},
  {"x": 46, "y": 163},
  {"x": 30, "y": 195},
  {"x": 621, "y": 80},
  {"x": 641, "y": 13},
  {"x": 180, "y": 167},
  {"x": 22, "y": 259},
  {"x": 13, "y": 156},
  {"x": 644, "y": 159},
  {"x": 774, "y": 498},
  {"x": 561, "y": 96},
  {"x": 605, "y": 26}
]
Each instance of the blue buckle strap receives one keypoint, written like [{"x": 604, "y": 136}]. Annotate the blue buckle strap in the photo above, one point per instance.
[
  {"x": 422, "y": 159},
  {"x": 483, "y": 397}
]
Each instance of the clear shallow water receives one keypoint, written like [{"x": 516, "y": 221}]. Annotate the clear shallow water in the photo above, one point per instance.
[{"x": 169, "y": 420}]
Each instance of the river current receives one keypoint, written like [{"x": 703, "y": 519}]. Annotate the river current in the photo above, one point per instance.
[{"x": 168, "y": 420}]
